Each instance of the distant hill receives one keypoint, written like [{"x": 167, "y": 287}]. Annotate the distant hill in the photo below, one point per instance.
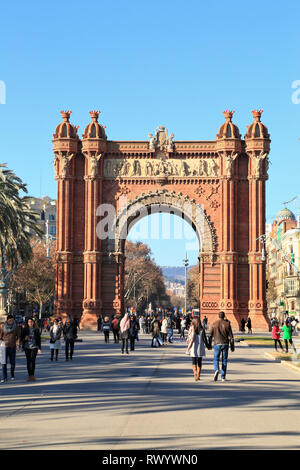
[{"x": 174, "y": 273}]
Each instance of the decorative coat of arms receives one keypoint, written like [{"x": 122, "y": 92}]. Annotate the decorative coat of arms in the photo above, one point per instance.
[{"x": 161, "y": 141}]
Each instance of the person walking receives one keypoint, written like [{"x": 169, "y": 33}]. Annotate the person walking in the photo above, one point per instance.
[
  {"x": 276, "y": 335},
  {"x": 70, "y": 334},
  {"x": 133, "y": 330},
  {"x": 124, "y": 332},
  {"x": 142, "y": 324},
  {"x": 204, "y": 323},
  {"x": 106, "y": 328},
  {"x": 249, "y": 325},
  {"x": 2, "y": 355},
  {"x": 55, "y": 339},
  {"x": 31, "y": 344},
  {"x": 182, "y": 327},
  {"x": 170, "y": 329},
  {"x": 243, "y": 323},
  {"x": 156, "y": 338},
  {"x": 10, "y": 334},
  {"x": 164, "y": 330},
  {"x": 99, "y": 323},
  {"x": 115, "y": 324},
  {"x": 220, "y": 331},
  {"x": 197, "y": 342},
  {"x": 287, "y": 336}
]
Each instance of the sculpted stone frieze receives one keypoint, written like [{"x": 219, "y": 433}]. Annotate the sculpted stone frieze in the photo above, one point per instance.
[{"x": 128, "y": 168}]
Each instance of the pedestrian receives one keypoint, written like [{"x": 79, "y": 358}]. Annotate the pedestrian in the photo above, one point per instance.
[
  {"x": 10, "y": 334},
  {"x": 182, "y": 327},
  {"x": 133, "y": 330},
  {"x": 106, "y": 328},
  {"x": 99, "y": 323},
  {"x": 2, "y": 355},
  {"x": 55, "y": 339},
  {"x": 220, "y": 331},
  {"x": 243, "y": 323},
  {"x": 294, "y": 323},
  {"x": 31, "y": 343},
  {"x": 197, "y": 342},
  {"x": 276, "y": 335},
  {"x": 70, "y": 334},
  {"x": 170, "y": 329},
  {"x": 142, "y": 324},
  {"x": 249, "y": 325},
  {"x": 156, "y": 337},
  {"x": 164, "y": 330},
  {"x": 204, "y": 323},
  {"x": 124, "y": 332},
  {"x": 287, "y": 336},
  {"x": 115, "y": 326}
]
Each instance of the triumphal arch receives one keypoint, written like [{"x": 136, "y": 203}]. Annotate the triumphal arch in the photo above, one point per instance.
[{"x": 105, "y": 186}]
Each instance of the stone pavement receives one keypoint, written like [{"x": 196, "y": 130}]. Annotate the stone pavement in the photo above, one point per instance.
[{"x": 149, "y": 400}]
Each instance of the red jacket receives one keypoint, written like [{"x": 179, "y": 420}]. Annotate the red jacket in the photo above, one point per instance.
[{"x": 275, "y": 332}]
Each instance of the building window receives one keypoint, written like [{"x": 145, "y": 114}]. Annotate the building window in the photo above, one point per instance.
[
  {"x": 93, "y": 131},
  {"x": 52, "y": 230},
  {"x": 51, "y": 217},
  {"x": 64, "y": 130}
]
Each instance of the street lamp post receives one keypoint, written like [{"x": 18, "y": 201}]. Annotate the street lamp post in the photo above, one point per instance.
[{"x": 185, "y": 264}]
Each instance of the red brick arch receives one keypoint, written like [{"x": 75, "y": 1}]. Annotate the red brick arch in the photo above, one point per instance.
[{"x": 218, "y": 185}]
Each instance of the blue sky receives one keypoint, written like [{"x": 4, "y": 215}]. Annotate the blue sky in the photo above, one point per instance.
[{"x": 144, "y": 64}]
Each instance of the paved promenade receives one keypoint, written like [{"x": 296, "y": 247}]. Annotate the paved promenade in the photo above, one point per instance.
[{"x": 149, "y": 400}]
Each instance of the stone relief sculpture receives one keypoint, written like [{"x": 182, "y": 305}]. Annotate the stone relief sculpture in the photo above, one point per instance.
[
  {"x": 229, "y": 159},
  {"x": 93, "y": 163},
  {"x": 205, "y": 167},
  {"x": 161, "y": 141},
  {"x": 152, "y": 142},
  {"x": 258, "y": 163},
  {"x": 64, "y": 162}
]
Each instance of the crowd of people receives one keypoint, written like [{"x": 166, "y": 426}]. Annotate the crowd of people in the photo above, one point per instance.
[
  {"x": 160, "y": 326},
  {"x": 288, "y": 327},
  {"x": 125, "y": 330},
  {"x": 27, "y": 337}
]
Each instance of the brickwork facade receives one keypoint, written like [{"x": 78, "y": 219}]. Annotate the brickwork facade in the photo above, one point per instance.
[{"x": 219, "y": 186}]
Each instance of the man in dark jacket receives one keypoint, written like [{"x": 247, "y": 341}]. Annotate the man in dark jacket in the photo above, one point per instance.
[
  {"x": 70, "y": 334},
  {"x": 222, "y": 334},
  {"x": 11, "y": 335},
  {"x": 133, "y": 330},
  {"x": 31, "y": 343}
]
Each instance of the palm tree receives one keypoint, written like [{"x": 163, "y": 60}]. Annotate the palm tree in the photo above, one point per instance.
[{"x": 17, "y": 223}]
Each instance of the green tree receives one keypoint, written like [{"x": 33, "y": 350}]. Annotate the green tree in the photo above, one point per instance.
[
  {"x": 17, "y": 223},
  {"x": 36, "y": 278},
  {"x": 144, "y": 281}
]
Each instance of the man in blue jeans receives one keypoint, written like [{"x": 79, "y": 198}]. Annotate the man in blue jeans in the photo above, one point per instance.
[
  {"x": 11, "y": 335},
  {"x": 222, "y": 334}
]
